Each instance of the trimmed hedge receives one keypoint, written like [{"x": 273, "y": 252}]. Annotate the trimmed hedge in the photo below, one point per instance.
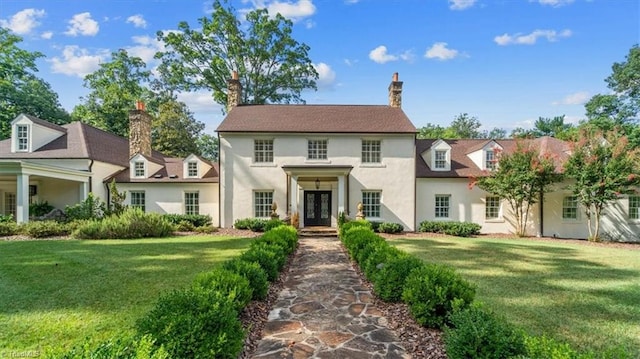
[
  {"x": 389, "y": 283},
  {"x": 257, "y": 224},
  {"x": 253, "y": 273},
  {"x": 41, "y": 229},
  {"x": 225, "y": 282},
  {"x": 8, "y": 228},
  {"x": 115, "y": 348},
  {"x": 196, "y": 220},
  {"x": 388, "y": 227},
  {"x": 132, "y": 223},
  {"x": 459, "y": 229}
]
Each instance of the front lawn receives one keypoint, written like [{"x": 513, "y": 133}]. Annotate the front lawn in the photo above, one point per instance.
[
  {"x": 53, "y": 294},
  {"x": 586, "y": 295}
]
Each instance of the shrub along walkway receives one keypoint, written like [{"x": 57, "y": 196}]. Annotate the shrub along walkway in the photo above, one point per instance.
[{"x": 324, "y": 311}]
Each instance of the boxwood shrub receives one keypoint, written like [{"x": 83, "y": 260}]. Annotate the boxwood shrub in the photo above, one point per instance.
[
  {"x": 265, "y": 258},
  {"x": 196, "y": 220},
  {"x": 377, "y": 260},
  {"x": 227, "y": 283},
  {"x": 280, "y": 255},
  {"x": 459, "y": 229},
  {"x": 253, "y": 273},
  {"x": 434, "y": 291},
  {"x": 389, "y": 283},
  {"x": 388, "y": 227},
  {"x": 478, "y": 333},
  {"x": 114, "y": 348},
  {"x": 195, "y": 324}
]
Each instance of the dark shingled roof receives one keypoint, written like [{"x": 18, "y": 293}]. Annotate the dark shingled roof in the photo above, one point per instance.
[
  {"x": 317, "y": 119},
  {"x": 44, "y": 123},
  {"x": 462, "y": 166},
  {"x": 173, "y": 167}
]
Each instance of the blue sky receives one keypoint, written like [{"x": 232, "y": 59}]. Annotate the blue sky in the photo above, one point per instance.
[{"x": 506, "y": 62}]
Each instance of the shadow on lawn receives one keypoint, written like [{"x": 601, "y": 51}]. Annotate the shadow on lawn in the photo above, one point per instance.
[
  {"x": 39, "y": 276},
  {"x": 549, "y": 289}
]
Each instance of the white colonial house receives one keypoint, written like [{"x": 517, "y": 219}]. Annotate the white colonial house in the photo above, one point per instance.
[{"x": 315, "y": 161}]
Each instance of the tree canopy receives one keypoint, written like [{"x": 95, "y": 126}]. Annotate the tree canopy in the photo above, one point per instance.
[
  {"x": 273, "y": 67},
  {"x": 174, "y": 130},
  {"x": 462, "y": 126},
  {"x": 22, "y": 91}
]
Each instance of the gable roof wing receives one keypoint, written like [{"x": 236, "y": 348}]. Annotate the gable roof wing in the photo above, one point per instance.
[{"x": 317, "y": 119}]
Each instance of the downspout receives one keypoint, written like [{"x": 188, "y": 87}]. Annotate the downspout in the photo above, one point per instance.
[
  {"x": 288, "y": 207},
  {"x": 541, "y": 214},
  {"x": 415, "y": 184},
  {"x": 219, "y": 183},
  {"x": 91, "y": 177}
]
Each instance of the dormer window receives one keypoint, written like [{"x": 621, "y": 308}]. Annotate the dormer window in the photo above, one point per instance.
[
  {"x": 192, "y": 169},
  {"x": 440, "y": 159},
  {"x": 138, "y": 169},
  {"x": 23, "y": 137},
  {"x": 490, "y": 160}
]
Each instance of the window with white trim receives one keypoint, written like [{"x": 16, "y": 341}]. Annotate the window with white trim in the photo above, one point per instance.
[
  {"x": 371, "y": 207},
  {"x": 191, "y": 203},
  {"x": 490, "y": 159},
  {"x": 262, "y": 201},
  {"x": 138, "y": 199},
  {"x": 10, "y": 204},
  {"x": 492, "y": 207},
  {"x": 317, "y": 150},
  {"x": 263, "y": 151},
  {"x": 440, "y": 159},
  {"x": 634, "y": 207},
  {"x": 442, "y": 205},
  {"x": 570, "y": 207},
  {"x": 371, "y": 151},
  {"x": 192, "y": 169},
  {"x": 138, "y": 169},
  {"x": 23, "y": 137}
]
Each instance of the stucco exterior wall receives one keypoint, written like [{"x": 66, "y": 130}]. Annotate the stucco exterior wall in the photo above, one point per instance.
[
  {"x": 394, "y": 177},
  {"x": 169, "y": 197}
]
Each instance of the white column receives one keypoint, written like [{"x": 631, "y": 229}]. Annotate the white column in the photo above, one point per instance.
[
  {"x": 84, "y": 191},
  {"x": 341, "y": 191},
  {"x": 294, "y": 194},
  {"x": 22, "y": 198}
]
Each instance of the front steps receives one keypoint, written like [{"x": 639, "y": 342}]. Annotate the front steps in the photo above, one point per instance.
[{"x": 318, "y": 232}]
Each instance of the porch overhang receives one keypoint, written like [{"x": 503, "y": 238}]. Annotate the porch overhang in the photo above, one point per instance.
[
  {"x": 19, "y": 167},
  {"x": 317, "y": 170}
]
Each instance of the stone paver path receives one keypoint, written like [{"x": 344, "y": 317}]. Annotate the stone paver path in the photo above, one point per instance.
[{"x": 324, "y": 311}]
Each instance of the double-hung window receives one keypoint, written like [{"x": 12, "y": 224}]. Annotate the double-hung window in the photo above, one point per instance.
[
  {"x": 191, "y": 203},
  {"x": 570, "y": 207},
  {"x": 262, "y": 201},
  {"x": 634, "y": 207},
  {"x": 23, "y": 137},
  {"x": 440, "y": 160},
  {"x": 490, "y": 160},
  {"x": 371, "y": 204},
  {"x": 138, "y": 169},
  {"x": 192, "y": 169},
  {"x": 138, "y": 199},
  {"x": 442, "y": 205},
  {"x": 371, "y": 151},
  {"x": 317, "y": 150},
  {"x": 492, "y": 207},
  {"x": 263, "y": 151}
]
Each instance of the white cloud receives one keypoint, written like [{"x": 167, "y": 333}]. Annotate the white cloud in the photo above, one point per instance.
[
  {"x": 350, "y": 62},
  {"x": 145, "y": 48},
  {"x": 578, "y": 98},
  {"x": 47, "y": 35},
  {"x": 82, "y": 24},
  {"x": 554, "y": 3},
  {"x": 77, "y": 62},
  {"x": 24, "y": 21},
  {"x": 461, "y": 4},
  {"x": 408, "y": 56},
  {"x": 380, "y": 55},
  {"x": 532, "y": 38},
  {"x": 351, "y": 2},
  {"x": 326, "y": 76},
  {"x": 309, "y": 24},
  {"x": 137, "y": 21},
  {"x": 292, "y": 10},
  {"x": 199, "y": 101},
  {"x": 440, "y": 51}
]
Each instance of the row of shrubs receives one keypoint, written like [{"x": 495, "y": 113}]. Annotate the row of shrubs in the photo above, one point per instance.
[
  {"x": 131, "y": 223},
  {"x": 257, "y": 224},
  {"x": 438, "y": 297},
  {"x": 202, "y": 320},
  {"x": 452, "y": 228},
  {"x": 386, "y": 227}
]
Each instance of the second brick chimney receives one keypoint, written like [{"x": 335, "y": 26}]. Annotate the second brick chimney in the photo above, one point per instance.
[
  {"x": 234, "y": 91},
  {"x": 139, "y": 131},
  {"x": 395, "y": 92}
]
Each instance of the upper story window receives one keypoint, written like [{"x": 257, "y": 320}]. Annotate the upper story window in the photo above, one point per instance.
[
  {"x": 440, "y": 159},
  {"x": 138, "y": 169},
  {"x": 442, "y": 205},
  {"x": 371, "y": 151},
  {"x": 263, "y": 151},
  {"x": 371, "y": 203},
  {"x": 634, "y": 207},
  {"x": 23, "y": 137},
  {"x": 570, "y": 207},
  {"x": 317, "y": 150},
  {"x": 490, "y": 160},
  {"x": 492, "y": 207},
  {"x": 192, "y": 169}
]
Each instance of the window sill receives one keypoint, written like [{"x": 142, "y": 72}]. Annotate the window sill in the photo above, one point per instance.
[
  {"x": 494, "y": 220},
  {"x": 317, "y": 161},
  {"x": 634, "y": 222},
  {"x": 441, "y": 169},
  {"x": 263, "y": 164},
  {"x": 373, "y": 165}
]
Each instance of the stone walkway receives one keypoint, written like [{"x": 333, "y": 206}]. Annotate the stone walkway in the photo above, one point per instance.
[{"x": 324, "y": 311}]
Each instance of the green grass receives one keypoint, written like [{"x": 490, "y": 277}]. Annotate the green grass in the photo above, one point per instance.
[
  {"x": 588, "y": 296},
  {"x": 53, "y": 294}
]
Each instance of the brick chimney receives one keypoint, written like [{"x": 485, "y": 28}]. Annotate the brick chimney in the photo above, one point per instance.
[
  {"x": 395, "y": 92},
  {"x": 139, "y": 131},
  {"x": 234, "y": 91}
]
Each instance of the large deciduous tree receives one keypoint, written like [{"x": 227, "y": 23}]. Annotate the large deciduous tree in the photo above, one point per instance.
[
  {"x": 520, "y": 178},
  {"x": 273, "y": 67},
  {"x": 115, "y": 87},
  {"x": 175, "y": 131},
  {"x": 21, "y": 91},
  {"x": 602, "y": 167},
  {"x": 209, "y": 147},
  {"x": 545, "y": 126},
  {"x": 462, "y": 126}
]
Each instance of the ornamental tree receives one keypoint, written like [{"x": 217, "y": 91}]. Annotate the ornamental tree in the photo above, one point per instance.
[
  {"x": 603, "y": 166},
  {"x": 520, "y": 178}
]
